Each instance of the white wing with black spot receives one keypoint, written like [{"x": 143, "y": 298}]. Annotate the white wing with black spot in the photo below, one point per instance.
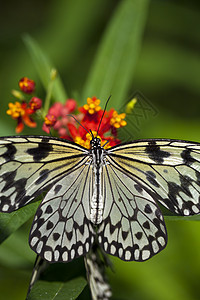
[
  {"x": 61, "y": 230},
  {"x": 133, "y": 227},
  {"x": 31, "y": 165},
  {"x": 170, "y": 169}
]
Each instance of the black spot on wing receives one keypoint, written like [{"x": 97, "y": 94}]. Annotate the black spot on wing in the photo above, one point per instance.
[
  {"x": 124, "y": 235},
  {"x": 49, "y": 225},
  {"x": 56, "y": 236},
  {"x": 147, "y": 209},
  {"x": 155, "y": 153},
  {"x": 40, "y": 222},
  {"x": 39, "y": 213},
  {"x": 150, "y": 176},
  {"x": 48, "y": 210},
  {"x": 8, "y": 178},
  {"x": 139, "y": 235},
  {"x": 187, "y": 158},
  {"x": 69, "y": 235},
  {"x": 10, "y": 152},
  {"x": 146, "y": 225},
  {"x": 20, "y": 188},
  {"x": 57, "y": 188},
  {"x": 40, "y": 152},
  {"x": 138, "y": 188},
  {"x": 42, "y": 176},
  {"x": 174, "y": 189},
  {"x": 186, "y": 182}
]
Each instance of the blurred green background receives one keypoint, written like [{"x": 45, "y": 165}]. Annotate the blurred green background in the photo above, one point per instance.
[{"x": 161, "y": 59}]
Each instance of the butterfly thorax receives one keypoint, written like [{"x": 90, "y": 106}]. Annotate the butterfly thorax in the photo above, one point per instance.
[{"x": 96, "y": 202}]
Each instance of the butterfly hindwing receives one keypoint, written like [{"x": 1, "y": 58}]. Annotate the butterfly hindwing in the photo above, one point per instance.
[
  {"x": 61, "y": 230},
  {"x": 30, "y": 165},
  {"x": 133, "y": 227}
]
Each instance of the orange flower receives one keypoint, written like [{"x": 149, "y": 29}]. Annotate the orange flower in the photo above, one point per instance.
[
  {"x": 20, "y": 112},
  {"x": 92, "y": 105},
  {"x": 117, "y": 120},
  {"x": 15, "y": 110}
]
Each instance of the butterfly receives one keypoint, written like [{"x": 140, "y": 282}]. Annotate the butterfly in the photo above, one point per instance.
[{"x": 97, "y": 195}]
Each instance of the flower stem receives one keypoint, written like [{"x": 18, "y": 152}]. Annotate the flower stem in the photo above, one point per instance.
[{"x": 53, "y": 75}]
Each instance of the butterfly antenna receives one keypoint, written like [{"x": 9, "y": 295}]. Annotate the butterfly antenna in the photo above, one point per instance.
[
  {"x": 91, "y": 134},
  {"x": 103, "y": 114},
  {"x": 80, "y": 123}
]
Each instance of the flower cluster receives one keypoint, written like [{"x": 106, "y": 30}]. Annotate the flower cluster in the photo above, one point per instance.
[
  {"x": 22, "y": 110},
  {"x": 58, "y": 118},
  {"x": 67, "y": 120},
  {"x": 75, "y": 126}
]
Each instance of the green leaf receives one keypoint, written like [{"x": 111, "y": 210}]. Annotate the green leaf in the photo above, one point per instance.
[
  {"x": 181, "y": 218},
  {"x": 116, "y": 59},
  {"x": 12, "y": 221},
  {"x": 15, "y": 251},
  {"x": 44, "y": 67},
  {"x": 57, "y": 290}
]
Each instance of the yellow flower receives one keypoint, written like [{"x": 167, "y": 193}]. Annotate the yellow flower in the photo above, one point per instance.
[
  {"x": 92, "y": 105},
  {"x": 130, "y": 105},
  {"x": 117, "y": 120},
  {"x": 15, "y": 110}
]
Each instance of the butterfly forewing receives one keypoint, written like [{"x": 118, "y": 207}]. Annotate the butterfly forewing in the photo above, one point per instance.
[
  {"x": 170, "y": 168},
  {"x": 30, "y": 165}
]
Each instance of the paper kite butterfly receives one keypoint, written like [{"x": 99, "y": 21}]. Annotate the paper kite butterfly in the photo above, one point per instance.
[{"x": 109, "y": 196}]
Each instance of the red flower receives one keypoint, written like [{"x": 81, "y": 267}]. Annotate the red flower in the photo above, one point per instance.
[
  {"x": 49, "y": 121},
  {"x": 35, "y": 103},
  {"x": 90, "y": 120},
  {"x": 59, "y": 113},
  {"x": 27, "y": 85}
]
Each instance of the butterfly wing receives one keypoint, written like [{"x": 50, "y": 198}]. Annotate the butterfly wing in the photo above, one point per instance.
[
  {"x": 61, "y": 230},
  {"x": 170, "y": 169},
  {"x": 30, "y": 165},
  {"x": 133, "y": 227}
]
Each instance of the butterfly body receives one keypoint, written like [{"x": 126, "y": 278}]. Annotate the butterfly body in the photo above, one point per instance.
[
  {"x": 108, "y": 195},
  {"x": 97, "y": 161}
]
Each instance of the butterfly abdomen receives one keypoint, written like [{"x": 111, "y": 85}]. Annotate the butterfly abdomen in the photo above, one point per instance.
[{"x": 96, "y": 203}]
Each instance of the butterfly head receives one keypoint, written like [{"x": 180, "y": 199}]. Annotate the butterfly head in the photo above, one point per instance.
[{"x": 95, "y": 143}]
